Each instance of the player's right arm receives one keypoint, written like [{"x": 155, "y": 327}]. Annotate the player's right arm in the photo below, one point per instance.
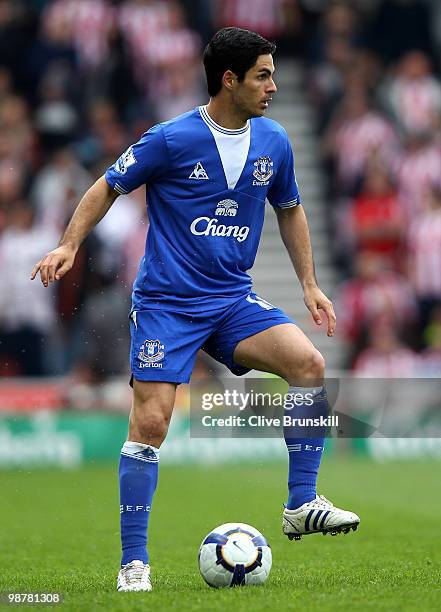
[
  {"x": 93, "y": 206},
  {"x": 143, "y": 162}
]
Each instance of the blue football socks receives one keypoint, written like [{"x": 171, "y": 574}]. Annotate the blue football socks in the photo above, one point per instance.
[
  {"x": 304, "y": 443},
  {"x": 138, "y": 477}
]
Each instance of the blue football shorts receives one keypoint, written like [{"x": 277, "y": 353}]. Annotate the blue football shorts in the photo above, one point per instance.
[{"x": 164, "y": 343}]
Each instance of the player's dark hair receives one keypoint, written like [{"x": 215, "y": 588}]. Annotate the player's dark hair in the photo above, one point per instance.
[{"x": 232, "y": 49}]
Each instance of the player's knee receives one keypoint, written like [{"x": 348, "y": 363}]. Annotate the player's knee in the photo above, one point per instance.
[
  {"x": 311, "y": 367},
  {"x": 151, "y": 427}
]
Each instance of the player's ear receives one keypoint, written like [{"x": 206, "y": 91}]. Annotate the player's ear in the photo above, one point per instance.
[{"x": 229, "y": 79}]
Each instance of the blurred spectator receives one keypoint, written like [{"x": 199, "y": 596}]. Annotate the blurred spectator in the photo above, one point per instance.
[
  {"x": 140, "y": 20},
  {"x": 183, "y": 91},
  {"x": 327, "y": 78},
  {"x": 337, "y": 24},
  {"x": 169, "y": 44},
  {"x": 52, "y": 46},
  {"x": 16, "y": 129},
  {"x": 57, "y": 189},
  {"x": 12, "y": 183},
  {"x": 374, "y": 290},
  {"x": 377, "y": 215},
  {"x": 385, "y": 356},
  {"x": 115, "y": 81},
  {"x": 27, "y": 309},
  {"x": 104, "y": 341},
  {"x": 416, "y": 169},
  {"x": 104, "y": 136},
  {"x": 56, "y": 118},
  {"x": 343, "y": 68},
  {"x": 414, "y": 95},
  {"x": 356, "y": 133},
  {"x": 86, "y": 24},
  {"x": 425, "y": 254},
  {"x": 121, "y": 226}
]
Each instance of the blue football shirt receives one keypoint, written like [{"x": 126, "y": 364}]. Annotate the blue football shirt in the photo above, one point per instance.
[{"x": 203, "y": 234}]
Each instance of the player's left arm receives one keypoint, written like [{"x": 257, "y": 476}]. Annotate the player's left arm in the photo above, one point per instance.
[{"x": 295, "y": 235}]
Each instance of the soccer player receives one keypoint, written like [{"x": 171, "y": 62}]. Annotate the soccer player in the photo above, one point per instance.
[{"x": 207, "y": 175}]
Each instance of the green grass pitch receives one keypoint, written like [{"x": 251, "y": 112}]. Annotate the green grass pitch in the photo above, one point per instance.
[{"x": 59, "y": 532}]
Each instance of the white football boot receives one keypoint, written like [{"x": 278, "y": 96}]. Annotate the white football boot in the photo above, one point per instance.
[
  {"x": 318, "y": 516},
  {"x": 134, "y": 576}
]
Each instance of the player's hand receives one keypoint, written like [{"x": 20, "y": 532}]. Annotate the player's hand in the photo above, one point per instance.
[
  {"x": 316, "y": 300},
  {"x": 54, "y": 265}
]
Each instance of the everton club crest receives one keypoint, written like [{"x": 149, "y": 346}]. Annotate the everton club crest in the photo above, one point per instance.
[
  {"x": 151, "y": 351},
  {"x": 263, "y": 170}
]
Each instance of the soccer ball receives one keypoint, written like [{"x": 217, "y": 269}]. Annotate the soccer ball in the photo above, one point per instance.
[{"x": 234, "y": 554}]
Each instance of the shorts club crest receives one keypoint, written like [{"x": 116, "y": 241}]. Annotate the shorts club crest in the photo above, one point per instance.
[{"x": 151, "y": 351}]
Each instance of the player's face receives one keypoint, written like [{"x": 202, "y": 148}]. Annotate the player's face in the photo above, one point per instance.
[{"x": 253, "y": 94}]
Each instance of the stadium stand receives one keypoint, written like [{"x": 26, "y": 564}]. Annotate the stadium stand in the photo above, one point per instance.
[{"x": 360, "y": 98}]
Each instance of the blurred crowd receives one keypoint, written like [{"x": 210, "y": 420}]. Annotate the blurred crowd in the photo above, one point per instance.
[
  {"x": 82, "y": 79},
  {"x": 374, "y": 79}
]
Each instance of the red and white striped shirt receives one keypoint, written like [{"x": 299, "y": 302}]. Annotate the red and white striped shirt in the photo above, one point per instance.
[
  {"x": 88, "y": 23},
  {"x": 416, "y": 102},
  {"x": 415, "y": 172},
  {"x": 425, "y": 246},
  {"x": 400, "y": 362},
  {"x": 355, "y": 139},
  {"x": 142, "y": 24},
  {"x": 171, "y": 48},
  {"x": 360, "y": 302},
  {"x": 157, "y": 38}
]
